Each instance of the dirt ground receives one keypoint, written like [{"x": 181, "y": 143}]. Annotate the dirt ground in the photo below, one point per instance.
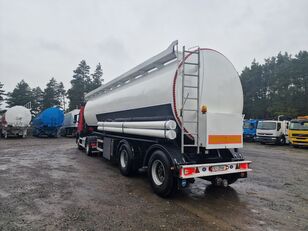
[{"x": 48, "y": 184}]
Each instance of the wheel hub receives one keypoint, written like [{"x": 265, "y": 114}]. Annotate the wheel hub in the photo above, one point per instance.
[
  {"x": 124, "y": 158},
  {"x": 158, "y": 172}
]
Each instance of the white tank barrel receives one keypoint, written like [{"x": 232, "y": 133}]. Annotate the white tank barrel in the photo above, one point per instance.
[
  {"x": 18, "y": 116},
  {"x": 152, "y": 91},
  {"x": 15, "y": 121}
]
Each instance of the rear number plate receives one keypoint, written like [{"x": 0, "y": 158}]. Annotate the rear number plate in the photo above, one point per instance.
[{"x": 219, "y": 168}]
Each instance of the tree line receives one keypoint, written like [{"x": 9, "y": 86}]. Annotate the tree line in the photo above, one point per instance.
[
  {"x": 54, "y": 94},
  {"x": 277, "y": 87}
]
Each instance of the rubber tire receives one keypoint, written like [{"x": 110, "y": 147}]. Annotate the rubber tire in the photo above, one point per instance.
[
  {"x": 127, "y": 170},
  {"x": 169, "y": 186},
  {"x": 282, "y": 140},
  {"x": 88, "y": 150},
  {"x": 78, "y": 145}
]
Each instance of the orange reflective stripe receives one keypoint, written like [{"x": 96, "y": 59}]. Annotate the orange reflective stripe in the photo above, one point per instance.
[{"x": 225, "y": 139}]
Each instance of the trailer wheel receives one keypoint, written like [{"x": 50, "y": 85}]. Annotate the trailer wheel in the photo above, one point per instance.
[
  {"x": 88, "y": 149},
  {"x": 282, "y": 140},
  {"x": 78, "y": 145},
  {"x": 159, "y": 169},
  {"x": 126, "y": 160}
]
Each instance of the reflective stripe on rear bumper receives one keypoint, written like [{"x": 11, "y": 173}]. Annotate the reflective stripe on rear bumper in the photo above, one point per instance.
[{"x": 213, "y": 169}]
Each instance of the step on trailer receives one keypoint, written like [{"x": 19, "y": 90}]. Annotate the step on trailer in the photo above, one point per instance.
[{"x": 177, "y": 116}]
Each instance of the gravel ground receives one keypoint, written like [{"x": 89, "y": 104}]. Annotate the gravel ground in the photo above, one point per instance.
[{"x": 48, "y": 184}]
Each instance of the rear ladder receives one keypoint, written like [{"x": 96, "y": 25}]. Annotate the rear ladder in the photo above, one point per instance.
[{"x": 195, "y": 88}]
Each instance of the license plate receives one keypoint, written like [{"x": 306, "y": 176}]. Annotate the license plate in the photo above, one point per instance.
[{"x": 219, "y": 168}]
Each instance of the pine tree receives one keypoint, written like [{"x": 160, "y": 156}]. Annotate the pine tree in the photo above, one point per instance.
[
  {"x": 51, "y": 95},
  {"x": 80, "y": 85},
  {"x": 36, "y": 105},
  {"x": 61, "y": 94},
  {"x": 97, "y": 77},
  {"x": 1, "y": 93},
  {"x": 277, "y": 87},
  {"x": 21, "y": 95}
]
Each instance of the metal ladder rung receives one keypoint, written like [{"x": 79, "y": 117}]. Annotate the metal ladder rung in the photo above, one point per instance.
[
  {"x": 188, "y": 86},
  {"x": 183, "y": 109},
  {"x": 190, "y": 145},
  {"x": 191, "y": 63},
  {"x": 192, "y": 75},
  {"x": 191, "y": 98},
  {"x": 192, "y": 52}
]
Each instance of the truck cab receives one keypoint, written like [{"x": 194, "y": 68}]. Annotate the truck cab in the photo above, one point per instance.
[
  {"x": 250, "y": 129},
  {"x": 272, "y": 131},
  {"x": 298, "y": 131}
]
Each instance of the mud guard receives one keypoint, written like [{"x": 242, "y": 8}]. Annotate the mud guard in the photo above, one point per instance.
[{"x": 173, "y": 153}]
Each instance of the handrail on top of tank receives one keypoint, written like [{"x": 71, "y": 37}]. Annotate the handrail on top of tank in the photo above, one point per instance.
[{"x": 141, "y": 69}]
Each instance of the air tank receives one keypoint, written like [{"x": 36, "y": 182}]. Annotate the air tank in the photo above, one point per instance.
[
  {"x": 156, "y": 91},
  {"x": 15, "y": 121},
  {"x": 48, "y": 122}
]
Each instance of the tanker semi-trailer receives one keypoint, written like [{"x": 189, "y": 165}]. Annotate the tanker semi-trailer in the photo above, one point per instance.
[
  {"x": 177, "y": 116},
  {"x": 48, "y": 122},
  {"x": 15, "y": 122}
]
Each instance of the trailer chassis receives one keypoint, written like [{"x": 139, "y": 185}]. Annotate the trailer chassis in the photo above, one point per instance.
[{"x": 168, "y": 169}]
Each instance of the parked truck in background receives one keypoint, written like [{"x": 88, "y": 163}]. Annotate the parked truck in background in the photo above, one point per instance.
[
  {"x": 250, "y": 129},
  {"x": 15, "y": 122},
  {"x": 69, "y": 127},
  {"x": 298, "y": 131},
  {"x": 272, "y": 131},
  {"x": 48, "y": 122},
  {"x": 177, "y": 116}
]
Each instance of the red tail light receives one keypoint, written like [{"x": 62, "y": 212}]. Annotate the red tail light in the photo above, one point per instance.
[
  {"x": 243, "y": 166},
  {"x": 189, "y": 171}
]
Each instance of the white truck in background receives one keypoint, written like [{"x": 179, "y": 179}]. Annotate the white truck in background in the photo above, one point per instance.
[
  {"x": 15, "y": 122},
  {"x": 70, "y": 122},
  {"x": 273, "y": 131}
]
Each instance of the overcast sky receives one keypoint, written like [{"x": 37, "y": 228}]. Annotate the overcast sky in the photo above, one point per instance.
[{"x": 40, "y": 39}]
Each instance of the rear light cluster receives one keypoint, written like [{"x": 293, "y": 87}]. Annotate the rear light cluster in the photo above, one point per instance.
[
  {"x": 242, "y": 166},
  {"x": 189, "y": 171}
]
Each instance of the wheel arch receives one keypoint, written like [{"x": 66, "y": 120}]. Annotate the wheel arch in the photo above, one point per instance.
[
  {"x": 173, "y": 154},
  {"x": 131, "y": 145}
]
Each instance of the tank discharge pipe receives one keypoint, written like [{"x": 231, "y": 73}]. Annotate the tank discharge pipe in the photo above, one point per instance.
[{"x": 159, "y": 129}]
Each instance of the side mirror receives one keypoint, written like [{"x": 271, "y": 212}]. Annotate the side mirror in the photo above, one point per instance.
[{"x": 278, "y": 126}]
